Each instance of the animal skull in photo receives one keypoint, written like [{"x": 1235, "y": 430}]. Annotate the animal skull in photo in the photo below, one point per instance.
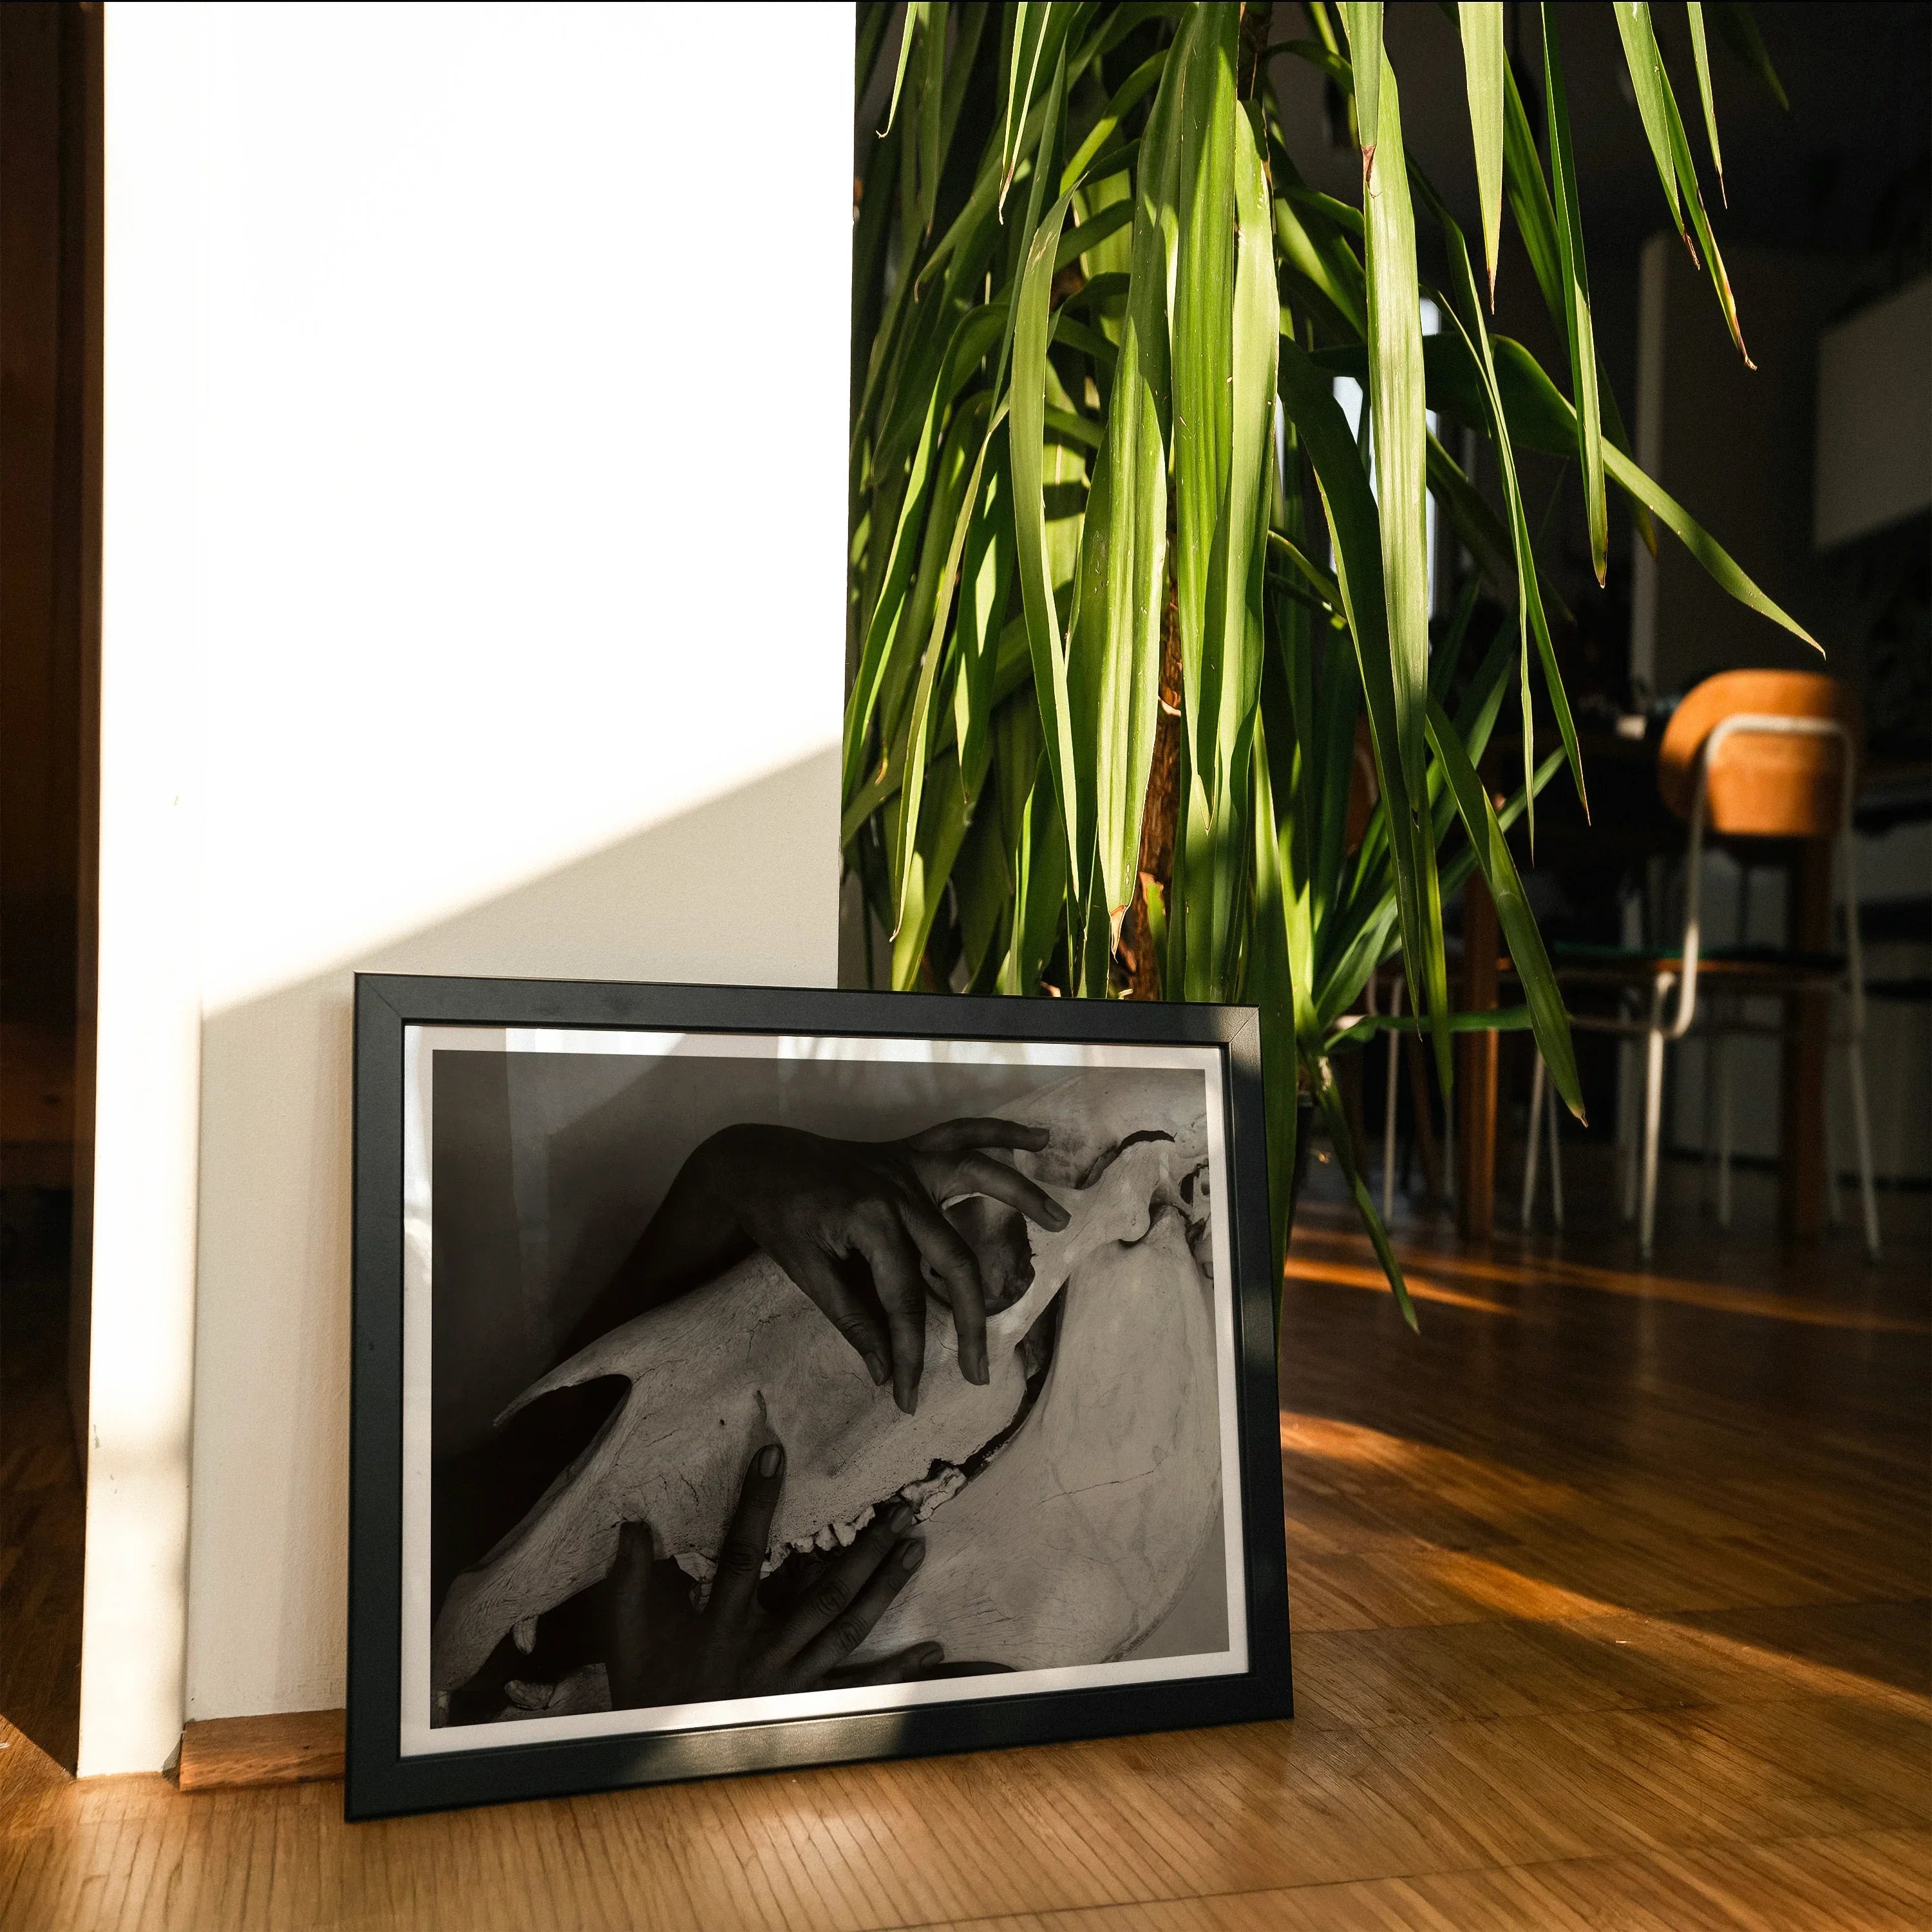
[{"x": 1065, "y": 1502}]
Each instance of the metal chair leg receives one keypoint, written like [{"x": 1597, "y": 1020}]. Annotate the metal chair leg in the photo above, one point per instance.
[
  {"x": 1862, "y": 1127},
  {"x": 1721, "y": 1047},
  {"x": 1629, "y": 1139},
  {"x": 1635, "y": 922},
  {"x": 1653, "y": 1122},
  {"x": 1555, "y": 1166},
  {"x": 1536, "y": 1081}
]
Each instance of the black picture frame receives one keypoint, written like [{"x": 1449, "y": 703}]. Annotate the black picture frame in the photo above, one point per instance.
[{"x": 383, "y": 1781}]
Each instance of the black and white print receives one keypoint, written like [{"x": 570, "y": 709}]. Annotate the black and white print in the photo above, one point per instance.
[{"x": 754, "y": 1376}]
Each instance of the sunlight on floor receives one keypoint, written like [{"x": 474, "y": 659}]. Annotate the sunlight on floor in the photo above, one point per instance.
[
  {"x": 1324, "y": 1456},
  {"x": 1324, "y": 1237}
]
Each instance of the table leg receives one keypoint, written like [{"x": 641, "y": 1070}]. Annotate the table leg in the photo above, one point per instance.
[
  {"x": 1476, "y": 1072},
  {"x": 1415, "y": 1050}
]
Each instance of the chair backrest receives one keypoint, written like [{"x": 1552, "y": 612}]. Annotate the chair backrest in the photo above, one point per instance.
[{"x": 1759, "y": 785}]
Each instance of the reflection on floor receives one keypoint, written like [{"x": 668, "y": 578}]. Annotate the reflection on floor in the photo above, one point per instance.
[{"x": 1611, "y": 1602}]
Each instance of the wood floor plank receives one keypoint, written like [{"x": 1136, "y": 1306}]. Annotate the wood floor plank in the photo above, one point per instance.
[
  {"x": 1449, "y": 1672},
  {"x": 1866, "y": 1882}
]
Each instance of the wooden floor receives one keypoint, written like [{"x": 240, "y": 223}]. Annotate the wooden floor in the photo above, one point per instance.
[{"x": 1610, "y": 1597}]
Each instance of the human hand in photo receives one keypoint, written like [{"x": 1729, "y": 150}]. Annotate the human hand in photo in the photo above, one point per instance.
[
  {"x": 658, "y": 1650},
  {"x": 815, "y": 1205},
  {"x": 857, "y": 1224}
]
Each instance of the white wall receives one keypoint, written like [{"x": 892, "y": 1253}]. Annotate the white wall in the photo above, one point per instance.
[
  {"x": 475, "y": 416},
  {"x": 1734, "y": 446},
  {"x": 1875, "y": 416}
]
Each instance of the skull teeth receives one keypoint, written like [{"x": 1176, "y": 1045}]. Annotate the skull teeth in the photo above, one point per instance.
[
  {"x": 831, "y": 1536},
  {"x": 927, "y": 1496},
  {"x": 523, "y": 1633}
]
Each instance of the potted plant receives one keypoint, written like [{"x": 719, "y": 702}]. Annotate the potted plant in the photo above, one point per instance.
[{"x": 1097, "y": 321}]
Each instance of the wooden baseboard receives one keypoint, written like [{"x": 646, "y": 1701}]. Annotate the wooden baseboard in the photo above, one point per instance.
[{"x": 286, "y": 1747}]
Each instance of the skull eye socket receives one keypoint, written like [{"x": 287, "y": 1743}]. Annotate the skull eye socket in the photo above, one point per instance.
[
  {"x": 997, "y": 1236},
  {"x": 478, "y": 1494}
]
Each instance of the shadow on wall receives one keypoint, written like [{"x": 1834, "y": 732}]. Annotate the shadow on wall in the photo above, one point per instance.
[{"x": 698, "y": 897}]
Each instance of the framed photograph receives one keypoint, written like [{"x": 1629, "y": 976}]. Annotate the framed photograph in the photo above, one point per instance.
[{"x": 748, "y": 1378}]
